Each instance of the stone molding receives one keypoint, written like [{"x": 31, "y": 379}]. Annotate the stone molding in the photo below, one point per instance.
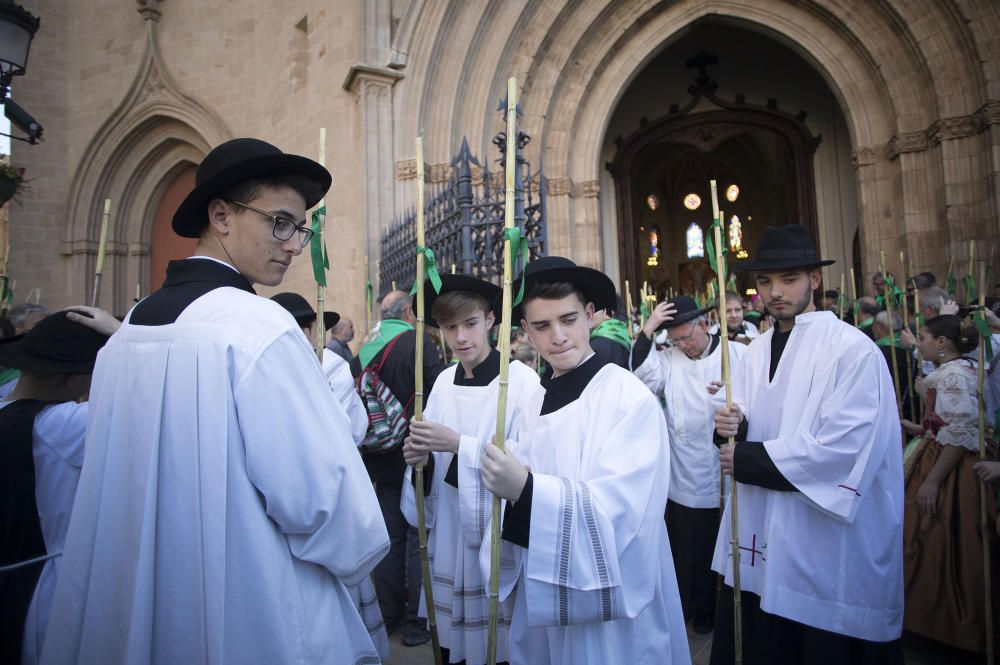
[
  {"x": 150, "y": 9},
  {"x": 406, "y": 169},
  {"x": 944, "y": 129},
  {"x": 588, "y": 189},
  {"x": 560, "y": 186},
  {"x": 362, "y": 73}
]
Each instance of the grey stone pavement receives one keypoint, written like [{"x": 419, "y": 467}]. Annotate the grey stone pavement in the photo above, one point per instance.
[{"x": 918, "y": 651}]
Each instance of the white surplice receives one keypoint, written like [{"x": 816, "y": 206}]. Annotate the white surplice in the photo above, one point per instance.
[
  {"x": 338, "y": 375},
  {"x": 596, "y": 583},
  {"x": 57, "y": 451},
  {"x": 690, "y": 413},
  {"x": 223, "y": 510},
  {"x": 831, "y": 554},
  {"x": 456, "y": 518}
]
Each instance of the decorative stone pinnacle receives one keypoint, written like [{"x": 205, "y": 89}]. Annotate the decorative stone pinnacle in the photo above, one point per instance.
[{"x": 150, "y": 9}]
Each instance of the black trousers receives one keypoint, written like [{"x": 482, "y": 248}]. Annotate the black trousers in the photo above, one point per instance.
[
  {"x": 772, "y": 640},
  {"x": 692, "y": 533},
  {"x": 446, "y": 654},
  {"x": 397, "y": 576}
]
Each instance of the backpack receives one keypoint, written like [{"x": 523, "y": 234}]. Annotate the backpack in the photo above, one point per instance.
[{"x": 387, "y": 419}]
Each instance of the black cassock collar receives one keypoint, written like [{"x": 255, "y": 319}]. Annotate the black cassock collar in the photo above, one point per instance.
[
  {"x": 187, "y": 280},
  {"x": 566, "y": 389},
  {"x": 482, "y": 374}
]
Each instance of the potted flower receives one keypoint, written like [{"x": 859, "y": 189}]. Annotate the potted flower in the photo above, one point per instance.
[{"x": 11, "y": 180}]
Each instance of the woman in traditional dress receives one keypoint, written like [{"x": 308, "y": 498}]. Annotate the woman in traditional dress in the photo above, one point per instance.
[{"x": 943, "y": 548}]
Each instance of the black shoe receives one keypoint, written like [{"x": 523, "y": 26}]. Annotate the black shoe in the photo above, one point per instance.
[
  {"x": 415, "y": 633},
  {"x": 392, "y": 625},
  {"x": 703, "y": 624}
]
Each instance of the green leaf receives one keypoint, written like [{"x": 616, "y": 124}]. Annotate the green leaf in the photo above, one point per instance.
[{"x": 317, "y": 248}]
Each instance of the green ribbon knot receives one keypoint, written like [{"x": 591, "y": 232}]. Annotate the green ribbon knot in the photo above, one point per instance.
[
  {"x": 710, "y": 243},
  {"x": 519, "y": 245},
  {"x": 979, "y": 318},
  {"x": 430, "y": 269},
  {"x": 969, "y": 284},
  {"x": 317, "y": 248}
]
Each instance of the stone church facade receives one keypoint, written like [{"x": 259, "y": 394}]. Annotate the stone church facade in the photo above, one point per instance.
[{"x": 875, "y": 123}]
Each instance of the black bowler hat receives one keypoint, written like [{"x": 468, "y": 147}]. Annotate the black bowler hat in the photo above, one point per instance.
[
  {"x": 492, "y": 293},
  {"x": 595, "y": 285},
  {"x": 783, "y": 247},
  {"x": 234, "y": 162},
  {"x": 302, "y": 311},
  {"x": 687, "y": 310},
  {"x": 55, "y": 345}
]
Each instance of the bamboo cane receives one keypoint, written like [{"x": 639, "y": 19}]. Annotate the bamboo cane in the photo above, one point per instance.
[
  {"x": 854, "y": 298},
  {"x": 418, "y": 409},
  {"x": 504, "y": 344},
  {"x": 368, "y": 302},
  {"x": 892, "y": 340},
  {"x": 628, "y": 309},
  {"x": 983, "y": 513},
  {"x": 642, "y": 302},
  {"x": 840, "y": 300},
  {"x": 918, "y": 369},
  {"x": 101, "y": 247},
  {"x": 727, "y": 380},
  {"x": 5, "y": 239},
  {"x": 972, "y": 267},
  {"x": 320, "y": 340},
  {"x": 906, "y": 326}
]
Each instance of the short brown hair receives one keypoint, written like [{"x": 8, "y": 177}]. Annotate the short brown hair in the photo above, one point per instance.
[
  {"x": 453, "y": 305},
  {"x": 553, "y": 291}
]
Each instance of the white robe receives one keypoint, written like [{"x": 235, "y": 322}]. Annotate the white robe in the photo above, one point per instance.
[
  {"x": 690, "y": 414},
  {"x": 57, "y": 451},
  {"x": 831, "y": 554},
  {"x": 596, "y": 583},
  {"x": 222, "y": 510},
  {"x": 457, "y": 519},
  {"x": 338, "y": 374}
]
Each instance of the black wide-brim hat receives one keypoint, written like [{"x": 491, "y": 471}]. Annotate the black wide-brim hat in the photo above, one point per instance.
[
  {"x": 449, "y": 283},
  {"x": 302, "y": 311},
  {"x": 595, "y": 285},
  {"x": 687, "y": 310},
  {"x": 234, "y": 162},
  {"x": 781, "y": 248},
  {"x": 55, "y": 345}
]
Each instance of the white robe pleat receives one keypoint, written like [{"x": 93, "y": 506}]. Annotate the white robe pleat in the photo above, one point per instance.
[{"x": 223, "y": 511}]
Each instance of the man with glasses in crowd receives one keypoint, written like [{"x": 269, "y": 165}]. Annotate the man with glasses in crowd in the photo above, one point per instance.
[
  {"x": 220, "y": 482},
  {"x": 686, "y": 378}
]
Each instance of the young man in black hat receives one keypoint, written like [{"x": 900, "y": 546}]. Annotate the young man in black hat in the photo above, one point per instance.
[
  {"x": 590, "y": 578},
  {"x": 687, "y": 374},
  {"x": 44, "y": 425},
  {"x": 336, "y": 370},
  {"x": 459, "y": 420},
  {"x": 820, "y": 480},
  {"x": 221, "y": 477}
]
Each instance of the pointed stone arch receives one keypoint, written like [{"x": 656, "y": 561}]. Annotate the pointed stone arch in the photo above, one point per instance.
[{"x": 156, "y": 131}]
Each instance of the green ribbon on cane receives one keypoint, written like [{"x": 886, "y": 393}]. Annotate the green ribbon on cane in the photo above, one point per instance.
[
  {"x": 430, "y": 267},
  {"x": 519, "y": 245},
  {"x": 710, "y": 243},
  {"x": 979, "y": 318},
  {"x": 317, "y": 248},
  {"x": 969, "y": 284}
]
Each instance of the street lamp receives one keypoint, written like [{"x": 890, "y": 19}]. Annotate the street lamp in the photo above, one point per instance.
[{"x": 17, "y": 27}]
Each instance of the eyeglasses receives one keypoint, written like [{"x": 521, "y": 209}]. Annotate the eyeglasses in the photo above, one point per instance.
[
  {"x": 282, "y": 228},
  {"x": 682, "y": 340}
]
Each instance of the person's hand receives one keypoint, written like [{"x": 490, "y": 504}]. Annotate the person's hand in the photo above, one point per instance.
[
  {"x": 714, "y": 387},
  {"x": 502, "y": 473},
  {"x": 727, "y": 454},
  {"x": 911, "y": 427},
  {"x": 434, "y": 436},
  {"x": 93, "y": 318},
  {"x": 661, "y": 314},
  {"x": 927, "y": 497},
  {"x": 948, "y": 307},
  {"x": 920, "y": 387},
  {"x": 992, "y": 320},
  {"x": 727, "y": 420},
  {"x": 988, "y": 471},
  {"x": 907, "y": 339},
  {"x": 413, "y": 453}
]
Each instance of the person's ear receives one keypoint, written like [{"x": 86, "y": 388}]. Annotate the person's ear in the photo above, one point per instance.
[
  {"x": 589, "y": 311},
  {"x": 815, "y": 278},
  {"x": 218, "y": 216},
  {"x": 490, "y": 320}
]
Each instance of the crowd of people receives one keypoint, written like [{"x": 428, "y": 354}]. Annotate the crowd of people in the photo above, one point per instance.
[{"x": 194, "y": 483}]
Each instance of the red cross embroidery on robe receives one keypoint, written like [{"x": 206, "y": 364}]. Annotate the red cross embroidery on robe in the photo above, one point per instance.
[{"x": 754, "y": 551}]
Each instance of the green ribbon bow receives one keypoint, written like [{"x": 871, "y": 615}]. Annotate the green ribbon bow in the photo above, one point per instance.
[
  {"x": 710, "y": 243},
  {"x": 519, "y": 244},
  {"x": 430, "y": 268},
  {"x": 950, "y": 284},
  {"x": 979, "y": 318},
  {"x": 317, "y": 248},
  {"x": 969, "y": 284},
  {"x": 369, "y": 294},
  {"x": 890, "y": 287},
  {"x": 644, "y": 307}
]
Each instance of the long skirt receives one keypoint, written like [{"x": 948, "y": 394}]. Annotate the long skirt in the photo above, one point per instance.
[{"x": 943, "y": 555}]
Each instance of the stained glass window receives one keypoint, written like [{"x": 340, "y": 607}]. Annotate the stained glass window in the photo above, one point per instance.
[
  {"x": 735, "y": 234},
  {"x": 695, "y": 240},
  {"x": 732, "y": 193},
  {"x": 654, "y": 246},
  {"x": 652, "y": 202},
  {"x": 692, "y": 201}
]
